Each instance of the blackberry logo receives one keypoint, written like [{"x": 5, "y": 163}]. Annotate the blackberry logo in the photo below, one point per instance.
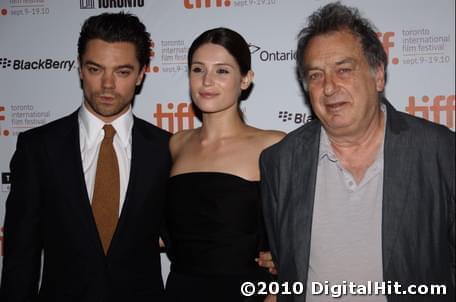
[
  {"x": 5, "y": 62},
  {"x": 40, "y": 64},
  {"x": 285, "y": 116},
  {"x": 295, "y": 117}
]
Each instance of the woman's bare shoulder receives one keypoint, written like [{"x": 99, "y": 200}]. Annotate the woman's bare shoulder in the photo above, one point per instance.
[
  {"x": 179, "y": 139},
  {"x": 266, "y": 138}
]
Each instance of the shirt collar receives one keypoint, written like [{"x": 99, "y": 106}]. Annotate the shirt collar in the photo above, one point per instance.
[
  {"x": 93, "y": 126},
  {"x": 325, "y": 147}
]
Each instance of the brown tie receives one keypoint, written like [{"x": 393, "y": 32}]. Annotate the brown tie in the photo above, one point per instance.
[{"x": 106, "y": 194}]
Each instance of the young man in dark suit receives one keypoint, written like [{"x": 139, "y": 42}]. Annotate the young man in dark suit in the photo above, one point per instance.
[{"x": 87, "y": 190}]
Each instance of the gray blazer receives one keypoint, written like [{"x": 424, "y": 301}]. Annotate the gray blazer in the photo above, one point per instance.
[{"x": 418, "y": 211}]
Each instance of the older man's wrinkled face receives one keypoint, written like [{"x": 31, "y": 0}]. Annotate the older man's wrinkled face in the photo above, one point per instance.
[{"x": 343, "y": 89}]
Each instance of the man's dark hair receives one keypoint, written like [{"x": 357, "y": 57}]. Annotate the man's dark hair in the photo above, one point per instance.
[
  {"x": 337, "y": 17},
  {"x": 116, "y": 27}
]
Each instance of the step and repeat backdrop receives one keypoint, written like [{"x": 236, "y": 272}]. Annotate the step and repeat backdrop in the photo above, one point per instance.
[{"x": 38, "y": 60}]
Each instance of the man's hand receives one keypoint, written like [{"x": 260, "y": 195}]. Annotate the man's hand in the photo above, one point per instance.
[{"x": 265, "y": 260}]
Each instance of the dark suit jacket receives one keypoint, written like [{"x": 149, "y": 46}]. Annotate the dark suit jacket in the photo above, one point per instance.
[
  {"x": 48, "y": 210},
  {"x": 418, "y": 210}
]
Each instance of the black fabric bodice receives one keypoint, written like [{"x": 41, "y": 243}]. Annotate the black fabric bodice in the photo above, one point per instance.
[{"x": 215, "y": 223}]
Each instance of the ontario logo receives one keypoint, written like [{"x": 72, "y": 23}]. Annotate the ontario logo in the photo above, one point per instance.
[
  {"x": 272, "y": 55},
  {"x": 91, "y": 4},
  {"x": 39, "y": 64},
  {"x": 178, "y": 116}
]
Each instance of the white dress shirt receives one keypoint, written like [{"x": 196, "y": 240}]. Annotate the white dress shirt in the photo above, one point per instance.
[{"x": 91, "y": 134}]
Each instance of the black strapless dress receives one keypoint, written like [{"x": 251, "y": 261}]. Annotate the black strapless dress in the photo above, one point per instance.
[{"x": 216, "y": 230}]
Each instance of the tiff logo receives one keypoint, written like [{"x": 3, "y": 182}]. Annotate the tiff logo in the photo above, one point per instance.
[
  {"x": 2, "y": 117},
  {"x": 5, "y": 132},
  {"x": 189, "y": 4},
  {"x": 183, "y": 117},
  {"x": 6, "y": 181},
  {"x": 437, "y": 108},
  {"x": 152, "y": 55},
  {"x": 386, "y": 39},
  {"x": 87, "y": 4}
]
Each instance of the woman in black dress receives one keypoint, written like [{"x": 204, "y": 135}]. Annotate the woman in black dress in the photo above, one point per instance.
[{"x": 214, "y": 210}]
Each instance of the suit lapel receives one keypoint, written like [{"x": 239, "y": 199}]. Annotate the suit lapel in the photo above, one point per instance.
[
  {"x": 397, "y": 163},
  {"x": 395, "y": 186},
  {"x": 303, "y": 194},
  {"x": 138, "y": 156},
  {"x": 65, "y": 151},
  {"x": 142, "y": 153}
]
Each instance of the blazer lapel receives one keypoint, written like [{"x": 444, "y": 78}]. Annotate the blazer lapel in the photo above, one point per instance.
[
  {"x": 397, "y": 163},
  {"x": 303, "y": 181},
  {"x": 138, "y": 156},
  {"x": 141, "y": 176},
  {"x": 65, "y": 151},
  {"x": 303, "y": 194}
]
